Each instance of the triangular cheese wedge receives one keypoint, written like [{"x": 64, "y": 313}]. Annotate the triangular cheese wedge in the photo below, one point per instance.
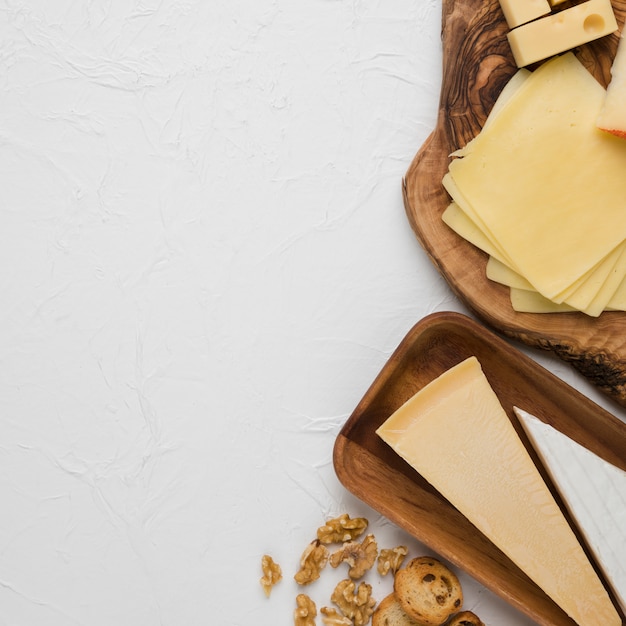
[
  {"x": 456, "y": 434},
  {"x": 594, "y": 492}
]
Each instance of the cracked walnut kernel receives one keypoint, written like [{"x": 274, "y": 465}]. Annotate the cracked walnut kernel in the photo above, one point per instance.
[
  {"x": 312, "y": 562},
  {"x": 271, "y": 573},
  {"x": 332, "y": 617},
  {"x": 359, "y": 556},
  {"x": 390, "y": 559},
  {"x": 305, "y": 612},
  {"x": 356, "y": 603},
  {"x": 342, "y": 528}
]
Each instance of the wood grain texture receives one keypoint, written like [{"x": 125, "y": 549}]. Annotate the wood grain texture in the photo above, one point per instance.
[
  {"x": 377, "y": 475},
  {"x": 477, "y": 63}
]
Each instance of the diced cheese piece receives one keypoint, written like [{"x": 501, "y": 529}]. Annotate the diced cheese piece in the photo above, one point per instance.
[
  {"x": 594, "y": 492},
  {"x": 455, "y": 433},
  {"x": 613, "y": 115},
  {"x": 518, "y": 12},
  {"x": 562, "y": 31},
  {"x": 548, "y": 215}
]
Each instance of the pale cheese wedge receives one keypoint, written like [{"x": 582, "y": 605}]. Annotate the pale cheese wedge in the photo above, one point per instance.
[
  {"x": 547, "y": 212},
  {"x": 456, "y": 434},
  {"x": 594, "y": 491}
]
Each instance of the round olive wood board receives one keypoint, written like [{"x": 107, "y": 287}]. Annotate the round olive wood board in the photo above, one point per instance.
[
  {"x": 477, "y": 63},
  {"x": 374, "y": 473}
]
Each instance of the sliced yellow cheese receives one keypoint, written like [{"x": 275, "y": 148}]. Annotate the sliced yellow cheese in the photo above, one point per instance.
[
  {"x": 455, "y": 433},
  {"x": 618, "y": 301},
  {"x": 562, "y": 31},
  {"x": 595, "y": 292},
  {"x": 528, "y": 301},
  {"x": 503, "y": 274},
  {"x": 463, "y": 226},
  {"x": 547, "y": 213}
]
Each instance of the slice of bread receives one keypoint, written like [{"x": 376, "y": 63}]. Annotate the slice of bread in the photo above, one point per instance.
[
  {"x": 390, "y": 613},
  {"x": 428, "y": 591},
  {"x": 465, "y": 618}
]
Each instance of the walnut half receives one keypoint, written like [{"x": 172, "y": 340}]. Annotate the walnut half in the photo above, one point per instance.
[
  {"x": 356, "y": 603},
  {"x": 305, "y": 612},
  {"x": 342, "y": 528},
  {"x": 271, "y": 573},
  {"x": 312, "y": 562},
  {"x": 390, "y": 559},
  {"x": 359, "y": 556},
  {"x": 332, "y": 617}
]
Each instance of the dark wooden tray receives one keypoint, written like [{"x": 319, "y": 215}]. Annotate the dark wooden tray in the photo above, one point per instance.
[
  {"x": 368, "y": 468},
  {"x": 477, "y": 62}
]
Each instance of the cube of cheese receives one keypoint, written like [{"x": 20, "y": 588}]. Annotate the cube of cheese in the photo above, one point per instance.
[{"x": 562, "y": 31}]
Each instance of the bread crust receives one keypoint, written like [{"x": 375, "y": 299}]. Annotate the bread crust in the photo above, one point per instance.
[
  {"x": 390, "y": 613},
  {"x": 428, "y": 591},
  {"x": 465, "y": 618}
]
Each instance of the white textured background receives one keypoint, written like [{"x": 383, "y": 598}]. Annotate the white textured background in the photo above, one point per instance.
[{"x": 204, "y": 262}]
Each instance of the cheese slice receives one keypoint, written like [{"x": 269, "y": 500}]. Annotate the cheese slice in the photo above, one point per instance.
[
  {"x": 455, "y": 433},
  {"x": 547, "y": 213},
  {"x": 594, "y": 492},
  {"x": 527, "y": 301}
]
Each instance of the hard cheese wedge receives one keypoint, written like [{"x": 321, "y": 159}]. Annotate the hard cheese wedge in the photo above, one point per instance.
[
  {"x": 593, "y": 490},
  {"x": 456, "y": 434},
  {"x": 547, "y": 213}
]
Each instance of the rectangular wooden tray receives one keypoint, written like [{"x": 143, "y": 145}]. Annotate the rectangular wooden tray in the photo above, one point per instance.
[{"x": 368, "y": 468}]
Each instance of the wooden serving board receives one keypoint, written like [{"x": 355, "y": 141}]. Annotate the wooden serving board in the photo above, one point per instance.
[
  {"x": 477, "y": 63},
  {"x": 373, "y": 472}
]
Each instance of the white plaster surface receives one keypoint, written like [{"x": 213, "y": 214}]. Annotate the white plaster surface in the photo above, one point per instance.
[{"x": 204, "y": 263}]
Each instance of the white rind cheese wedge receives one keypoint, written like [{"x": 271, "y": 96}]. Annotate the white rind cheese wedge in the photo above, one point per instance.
[
  {"x": 456, "y": 434},
  {"x": 594, "y": 492},
  {"x": 612, "y": 117}
]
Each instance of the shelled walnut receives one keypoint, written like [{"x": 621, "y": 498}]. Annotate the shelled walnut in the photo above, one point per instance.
[
  {"x": 359, "y": 556},
  {"x": 272, "y": 574},
  {"x": 390, "y": 559},
  {"x": 312, "y": 562},
  {"x": 355, "y": 602},
  {"x": 332, "y": 617},
  {"x": 342, "y": 528},
  {"x": 305, "y": 612}
]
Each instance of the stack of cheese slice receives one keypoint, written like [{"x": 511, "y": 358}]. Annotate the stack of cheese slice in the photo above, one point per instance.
[
  {"x": 456, "y": 434},
  {"x": 542, "y": 190}
]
